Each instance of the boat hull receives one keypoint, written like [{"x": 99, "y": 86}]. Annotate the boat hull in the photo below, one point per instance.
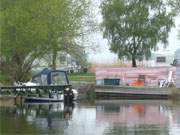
[{"x": 41, "y": 100}]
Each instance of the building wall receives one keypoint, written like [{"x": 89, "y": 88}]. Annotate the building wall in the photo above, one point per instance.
[
  {"x": 128, "y": 75},
  {"x": 153, "y": 60},
  {"x": 66, "y": 62},
  {"x": 63, "y": 62},
  {"x": 162, "y": 58}
]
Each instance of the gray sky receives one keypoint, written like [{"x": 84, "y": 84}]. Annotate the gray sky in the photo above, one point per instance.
[{"x": 102, "y": 55}]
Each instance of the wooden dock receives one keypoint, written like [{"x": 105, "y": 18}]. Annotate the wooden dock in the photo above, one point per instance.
[
  {"x": 118, "y": 92},
  {"x": 21, "y": 94}
]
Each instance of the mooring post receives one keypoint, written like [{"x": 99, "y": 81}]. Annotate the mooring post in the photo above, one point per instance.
[
  {"x": 177, "y": 57},
  {"x": 68, "y": 96},
  {"x": 19, "y": 100}
]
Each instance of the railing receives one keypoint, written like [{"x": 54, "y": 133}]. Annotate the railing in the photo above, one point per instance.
[{"x": 27, "y": 89}]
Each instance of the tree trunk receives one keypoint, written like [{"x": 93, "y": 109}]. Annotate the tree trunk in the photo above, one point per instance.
[
  {"x": 134, "y": 53},
  {"x": 54, "y": 57},
  {"x": 134, "y": 61}
]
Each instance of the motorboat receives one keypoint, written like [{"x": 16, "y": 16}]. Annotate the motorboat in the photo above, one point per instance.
[{"x": 47, "y": 78}]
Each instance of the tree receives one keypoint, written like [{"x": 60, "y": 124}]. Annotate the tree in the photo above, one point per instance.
[
  {"x": 23, "y": 36},
  {"x": 65, "y": 23},
  {"x": 134, "y": 27},
  {"x": 30, "y": 29},
  {"x": 175, "y": 4}
]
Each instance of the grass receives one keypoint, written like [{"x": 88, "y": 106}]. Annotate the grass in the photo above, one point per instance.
[{"x": 87, "y": 77}]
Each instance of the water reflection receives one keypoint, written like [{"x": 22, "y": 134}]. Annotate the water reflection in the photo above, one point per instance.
[
  {"x": 102, "y": 118},
  {"x": 45, "y": 118},
  {"x": 141, "y": 118},
  {"x": 132, "y": 115}
]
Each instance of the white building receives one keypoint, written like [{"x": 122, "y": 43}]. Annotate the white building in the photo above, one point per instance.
[
  {"x": 67, "y": 62},
  {"x": 64, "y": 61},
  {"x": 162, "y": 58}
]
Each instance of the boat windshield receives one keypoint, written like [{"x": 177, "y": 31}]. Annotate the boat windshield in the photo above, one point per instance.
[
  {"x": 40, "y": 79},
  {"x": 58, "y": 78}
]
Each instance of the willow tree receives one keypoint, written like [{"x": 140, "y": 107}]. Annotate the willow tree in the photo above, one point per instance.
[
  {"x": 134, "y": 27},
  {"x": 31, "y": 28},
  {"x": 65, "y": 20},
  {"x": 23, "y": 35},
  {"x": 175, "y": 5}
]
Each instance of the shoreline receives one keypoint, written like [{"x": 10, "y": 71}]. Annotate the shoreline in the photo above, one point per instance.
[{"x": 88, "y": 92}]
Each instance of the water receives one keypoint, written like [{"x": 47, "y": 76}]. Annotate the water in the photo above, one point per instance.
[{"x": 123, "y": 117}]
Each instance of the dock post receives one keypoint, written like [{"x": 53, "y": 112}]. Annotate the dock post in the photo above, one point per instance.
[
  {"x": 68, "y": 96},
  {"x": 19, "y": 100}
]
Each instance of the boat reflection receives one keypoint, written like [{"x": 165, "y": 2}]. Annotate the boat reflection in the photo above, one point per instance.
[
  {"x": 46, "y": 117},
  {"x": 102, "y": 118}
]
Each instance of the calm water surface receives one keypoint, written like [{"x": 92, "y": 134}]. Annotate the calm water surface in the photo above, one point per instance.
[{"x": 101, "y": 118}]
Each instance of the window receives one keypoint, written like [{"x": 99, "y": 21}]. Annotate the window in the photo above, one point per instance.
[
  {"x": 161, "y": 59},
  {"x": 41, "y": 79},
  {"x": 62, "y": 59},
  {"x": 44, "y": 79},
  {"x": 59, "y": 78}
]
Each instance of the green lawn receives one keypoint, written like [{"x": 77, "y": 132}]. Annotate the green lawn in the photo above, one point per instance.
[{"x": 88, "y": 77}]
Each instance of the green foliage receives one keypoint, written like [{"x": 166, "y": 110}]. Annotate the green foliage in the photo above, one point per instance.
[
  {"x": 65, "y": 24},
  {"x": 134, "y": 27},
  {"x": 175, "y": 5},
  {"x": 22, "y": 35},
  {"x": 31, "y": 28}
]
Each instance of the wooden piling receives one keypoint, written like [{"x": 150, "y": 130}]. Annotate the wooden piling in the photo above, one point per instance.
[{"x": 19, "y": 100}]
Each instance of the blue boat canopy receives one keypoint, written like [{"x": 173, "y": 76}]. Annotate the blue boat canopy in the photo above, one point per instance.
[{"x": 51, "y": 77}]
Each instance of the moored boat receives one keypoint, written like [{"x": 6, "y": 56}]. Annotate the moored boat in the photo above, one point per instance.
[{"x": 50, "y": 78}]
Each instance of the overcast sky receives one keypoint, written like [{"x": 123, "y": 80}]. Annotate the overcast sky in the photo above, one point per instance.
[{"x": 102, "y": 53}]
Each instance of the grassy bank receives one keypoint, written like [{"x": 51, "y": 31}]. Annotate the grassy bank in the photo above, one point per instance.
[{"x": 87, "y": 77}]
